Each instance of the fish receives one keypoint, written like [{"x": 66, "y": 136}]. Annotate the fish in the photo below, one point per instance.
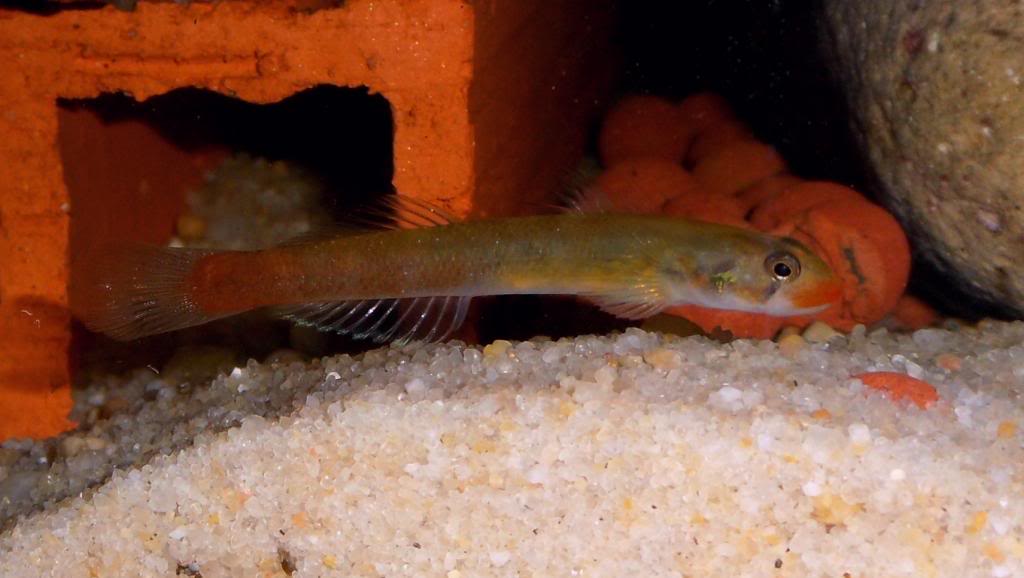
[{"x": 414, "y": 278}]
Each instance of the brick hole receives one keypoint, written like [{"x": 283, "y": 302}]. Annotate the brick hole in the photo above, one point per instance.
[
  {"x": 128, "y": 166},
  {"x": 48, "y": 8}
]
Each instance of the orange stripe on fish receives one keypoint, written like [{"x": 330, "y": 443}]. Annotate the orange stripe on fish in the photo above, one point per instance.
[{"x": 825, "y": 292}]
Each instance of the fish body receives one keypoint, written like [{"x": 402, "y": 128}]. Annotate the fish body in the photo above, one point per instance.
[{"x": 630, "y": 265}]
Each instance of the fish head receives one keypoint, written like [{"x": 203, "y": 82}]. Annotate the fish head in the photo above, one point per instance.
[
  {"x": 761, "y": 274},
  {"x": 799, "y": 281}
]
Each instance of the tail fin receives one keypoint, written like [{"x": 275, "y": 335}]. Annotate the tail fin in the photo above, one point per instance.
[{"x": 127, "y": 291}]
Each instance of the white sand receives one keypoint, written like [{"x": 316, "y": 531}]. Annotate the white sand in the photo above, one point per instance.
[{"x": 633, "y": 455}]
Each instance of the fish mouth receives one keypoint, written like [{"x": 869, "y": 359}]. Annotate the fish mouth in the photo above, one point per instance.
[
  {"x": 793, "y": 302},
  {"x": 809, "y": 310},
  {"x": 779, "y": 306},
  {"x": 784, "y": 307},
  {"x": 804, "y": 300}
]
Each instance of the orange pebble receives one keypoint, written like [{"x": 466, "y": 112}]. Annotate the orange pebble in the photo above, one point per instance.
[
  {"x": 705, "y": 207},
  {"x": 740, "y": 323},
  {"x": 770, "y": 212},
  {"x": 643, "y": 126},
  {"x": 866, "y": 247},
  {"x": 821, "y": 414},
  {"x": 702, "y": 110},
  {"x": 644, "y": 184},
  {"x": 737, "y": 166},
  {"x": 901, "y": 386},
  {"x": 716, "y": 137},
  {"x": 949, "y": 361},
  {"x": 765, "y": 189},
  {"x": 912, "y": 313}
]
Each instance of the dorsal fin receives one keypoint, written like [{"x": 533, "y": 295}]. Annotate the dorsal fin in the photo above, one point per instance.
[
  {"x": 580, "y": 194},
  {"x": 417, "y": 212}
]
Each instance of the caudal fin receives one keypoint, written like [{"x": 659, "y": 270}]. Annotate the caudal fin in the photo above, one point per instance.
[{"x": 131, "y": 290}]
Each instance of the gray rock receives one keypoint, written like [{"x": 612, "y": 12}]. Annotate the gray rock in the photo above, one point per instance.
[{"x": 935, "y": 90}]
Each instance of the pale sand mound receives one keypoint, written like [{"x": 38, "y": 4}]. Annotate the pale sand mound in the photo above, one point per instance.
[{"x": 632, "y": 455}]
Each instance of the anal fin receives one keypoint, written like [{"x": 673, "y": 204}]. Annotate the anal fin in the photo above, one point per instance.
[{"x": 384, "y": 320}]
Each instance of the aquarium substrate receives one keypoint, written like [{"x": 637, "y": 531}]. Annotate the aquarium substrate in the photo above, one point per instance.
[{"x": 635, "y": 454}]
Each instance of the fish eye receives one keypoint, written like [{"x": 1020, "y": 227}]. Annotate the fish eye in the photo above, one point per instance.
[{"x": 782, "y": 266}]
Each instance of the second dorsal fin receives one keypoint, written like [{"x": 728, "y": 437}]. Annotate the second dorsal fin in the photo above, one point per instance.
[
  {"x": 399, "y": 212},
  {"x": 385, "y": 213}
]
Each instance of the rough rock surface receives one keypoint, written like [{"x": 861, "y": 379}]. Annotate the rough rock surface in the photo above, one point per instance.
[{"x": 936, "y": 96}]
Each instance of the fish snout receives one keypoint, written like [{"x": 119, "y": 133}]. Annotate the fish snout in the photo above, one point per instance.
[{"x": 818, "y": 295}]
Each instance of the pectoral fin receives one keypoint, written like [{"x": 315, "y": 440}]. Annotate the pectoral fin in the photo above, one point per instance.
[{"x": 635, "y": 302}]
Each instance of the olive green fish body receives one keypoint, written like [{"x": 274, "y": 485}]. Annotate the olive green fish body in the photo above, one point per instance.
[
  {"x": 630, "y": 265},
  {"x": 552, "y": 254}
]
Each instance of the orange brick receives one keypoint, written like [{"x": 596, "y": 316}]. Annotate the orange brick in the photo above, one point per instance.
[{"x": 490, "y": 103}]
